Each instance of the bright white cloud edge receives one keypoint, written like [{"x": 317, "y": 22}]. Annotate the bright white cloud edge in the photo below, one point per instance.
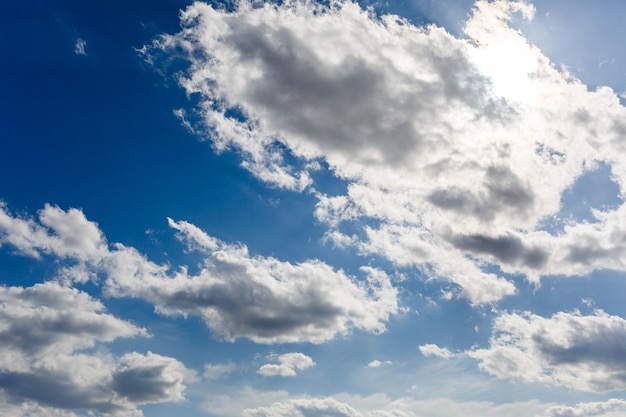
[{"x": 472, "y": 129}]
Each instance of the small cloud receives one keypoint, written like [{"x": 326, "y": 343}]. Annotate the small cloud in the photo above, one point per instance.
[
  {"x": 605, "y": 62},
  {"x": 181, "y": 114},
  {"x": 434, "y": 350},
  {"x": 377, "y": 364},
  {"x": 287, "y": 365},
  {"x": 79, "y": 47}
]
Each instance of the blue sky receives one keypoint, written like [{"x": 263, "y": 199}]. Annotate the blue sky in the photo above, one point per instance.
[{"x": 407, "y": 209}]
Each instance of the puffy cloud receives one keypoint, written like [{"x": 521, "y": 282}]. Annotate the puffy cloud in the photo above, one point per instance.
[
  {"x": 612, "y": 407},
  {"x": 149, "y": 378},
  {"x": 237, "y": 295},
  {"x": 263, "y": 299},
  {"x": 586, "y": 353},
  {"x": 49, "y": 319},
  {"x": 447, "y": 144},
  {"x": 288, "y": 365},
  {"x": 45, "y": 331}
]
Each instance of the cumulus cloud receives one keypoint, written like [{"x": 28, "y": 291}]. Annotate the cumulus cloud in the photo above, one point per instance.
[
  {"x": 612, "y": 407},
  {"x": 45, "y": 331},
  {"x": 263, "y": 299},
  {"x": 585, "y": 353},
  {"x": 445, "y": 143},
  {"x": 65, "y": 234},
  {"x": 288, "y": 365},
  {"x": 237, "y": 295}
]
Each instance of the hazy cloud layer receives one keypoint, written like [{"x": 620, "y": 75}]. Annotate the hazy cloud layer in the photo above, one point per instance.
[
  {"x": 237, "y": 295},
  {"x": 613, "y": 407},
  {"x": 447, "y": 144},
  {"x": 44, "y": 333},
  {"x": 586, "y": 353},
  {"x": 252, "y": 403}
]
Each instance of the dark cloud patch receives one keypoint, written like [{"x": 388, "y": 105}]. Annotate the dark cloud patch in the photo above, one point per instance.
[
  {"x": 502, "y": 192},
  {"x": 591, "y": 252},
  {"x": 54, "y": 389},
  {"x": 142, "y": 384},
  {"x": 508, "y": 249}
]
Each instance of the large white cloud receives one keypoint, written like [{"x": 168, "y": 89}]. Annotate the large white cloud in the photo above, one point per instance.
[
  {"x": 586, "y": 353},
  {"x": 237, "y": 295},
  {"x": 454, "y": 150},
  {"x": 48, "y": 365}
]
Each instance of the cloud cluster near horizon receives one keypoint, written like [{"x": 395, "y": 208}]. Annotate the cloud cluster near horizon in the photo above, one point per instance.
[
  {"x": 456, "y": 151},
  {"x": 48, "y": 332},
  {"x": 237, "y": 295}
]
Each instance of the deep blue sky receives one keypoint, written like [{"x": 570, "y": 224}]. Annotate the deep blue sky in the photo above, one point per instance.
[{"x": 479, "y": 266}]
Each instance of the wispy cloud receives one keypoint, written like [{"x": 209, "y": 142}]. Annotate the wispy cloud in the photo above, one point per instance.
[{"x": 79, "y": 47}]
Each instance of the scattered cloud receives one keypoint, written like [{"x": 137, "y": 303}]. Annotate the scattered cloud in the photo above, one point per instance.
[
  {"x": 581, "y": 352},
  {"x": 237, "y": 295},
  {"x": 48, "y": 333},
  {"x": 288, "y": 365}
]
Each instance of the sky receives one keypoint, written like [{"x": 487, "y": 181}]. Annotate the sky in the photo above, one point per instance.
[{"x": 406, "y": 208}]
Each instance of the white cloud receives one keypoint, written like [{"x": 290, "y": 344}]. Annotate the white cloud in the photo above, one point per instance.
[
  {"x": 446, "y": 143},
  {"x": 610, "y": 408},
  {"x": 434, "y": 350},
  {"x": 314, "y": 407},
  {"x": 79, "y": 47},
  {"x": 288, "y": 365},
  {"x": 48, "y": 357},
  {"x": 65, "y": 234},
  {"x": 237, "y": 295},
  {"x": 586, "y": 353},
  {"x": 377, "y": 364}
]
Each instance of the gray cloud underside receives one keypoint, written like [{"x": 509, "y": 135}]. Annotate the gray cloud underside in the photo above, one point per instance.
[
  {"x": 585, "y": 353},
  {"x": 237, "y": 295},
  {"x": 454, "y": 147},
  {"x": 47, "y": 332}
]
